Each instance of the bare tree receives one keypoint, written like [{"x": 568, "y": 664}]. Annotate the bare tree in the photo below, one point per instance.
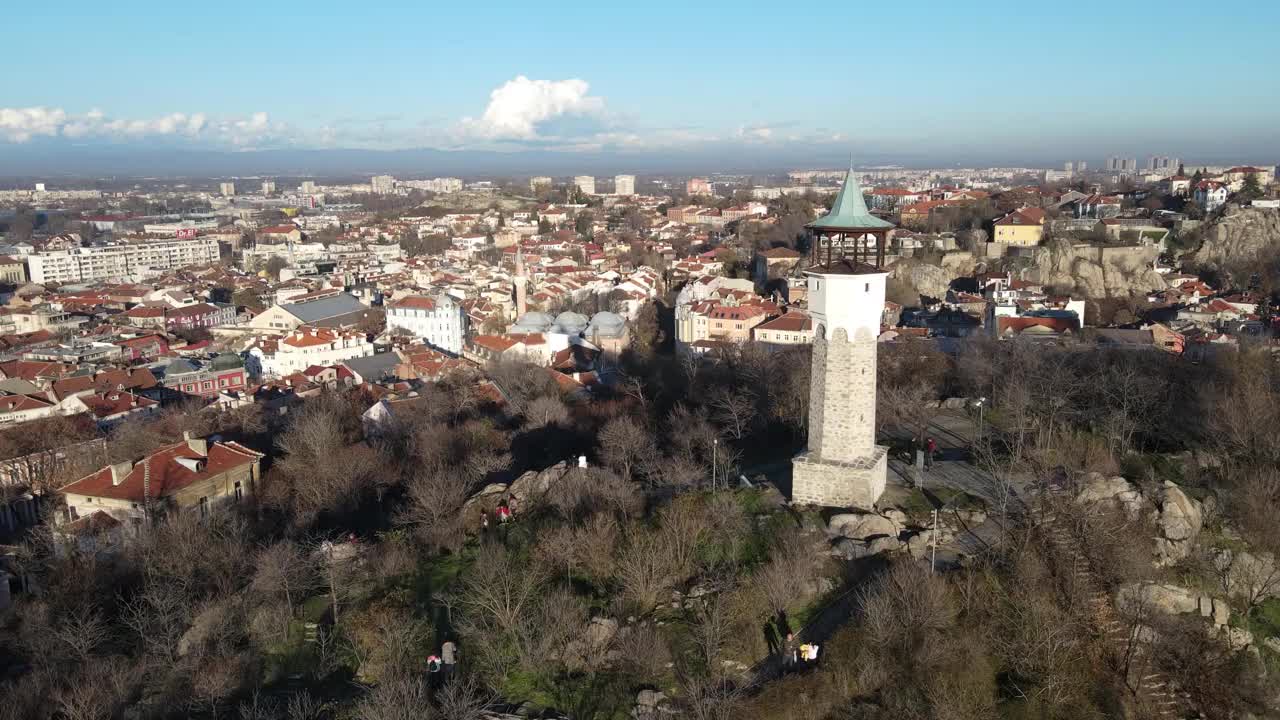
[
  {"x": 400, "y": 699},
  {"x": 544, "y": 411},
  {"x": 464, "y": 699},
  {"x": 283, "y": 569},
  {"x": 625, "y": 444},
  {"x": 645, "y": 570},
  {"x": 82, "y": 632},
  {"x": 735, "y": 410},
  {"x": 434, "y": 508}
]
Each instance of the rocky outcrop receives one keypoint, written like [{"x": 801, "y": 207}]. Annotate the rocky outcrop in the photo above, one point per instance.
[
  {"x": 924, "y": 278},
  {"x": 1097, "y": 271},
  {"x": 1178, "y": 518},
  {"x": 1095, "y": 487},
  {"x": 1164, "y": 598},
  {"x": 1179, "y": 522},
  {"x": 535, "y": 483},
  {"x": 1239, "y": 235},
  {"x": 859, "y": 526},
  {"x": 1252, "y": 576}
]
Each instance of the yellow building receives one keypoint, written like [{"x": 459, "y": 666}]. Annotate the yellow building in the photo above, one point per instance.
[{"x": 1023, "y": 228}]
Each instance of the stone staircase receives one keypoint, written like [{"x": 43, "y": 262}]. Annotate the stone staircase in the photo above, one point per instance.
[{"x": 1154, "y": 694}]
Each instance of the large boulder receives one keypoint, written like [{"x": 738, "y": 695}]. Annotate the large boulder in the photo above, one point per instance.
[
  {"x": 536, "y": 483},
  {"x": 1253, "y": 576},
  {"x": 1168, "y": 599},
  {"x": 857, "y": 549},
  {"x": 859, "y": 526},
  {"x": 1096, "y": 487},
  {"x": 1179, "y": 523},
  {"x": 1180, "y": 516}
]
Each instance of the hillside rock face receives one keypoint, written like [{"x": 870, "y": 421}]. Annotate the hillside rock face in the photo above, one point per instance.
[
  {"x": 1241, "y": 234},
  {"x": 926, "y": 279},
  {"x": 1098, "y": 271}
]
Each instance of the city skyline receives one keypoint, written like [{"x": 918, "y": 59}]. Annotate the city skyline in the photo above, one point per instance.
[{"x": 645, "y": 88}]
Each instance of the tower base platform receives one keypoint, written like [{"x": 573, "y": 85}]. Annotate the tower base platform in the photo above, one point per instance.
[{"x": 858, "y": 484}]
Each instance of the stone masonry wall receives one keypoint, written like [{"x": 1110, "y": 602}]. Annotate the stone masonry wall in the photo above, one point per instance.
[
  {"x": 842, "y": 397},
  {"x": 815, "y": 482}
]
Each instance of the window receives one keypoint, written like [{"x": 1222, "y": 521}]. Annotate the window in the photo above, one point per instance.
[
  {"x": 239, "y": 491},
  {"x": 204, "y": 507},
  {"x": 866, "y": 287}
]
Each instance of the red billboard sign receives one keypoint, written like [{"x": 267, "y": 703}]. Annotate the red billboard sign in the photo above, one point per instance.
[{"x": 184, "y": 233}]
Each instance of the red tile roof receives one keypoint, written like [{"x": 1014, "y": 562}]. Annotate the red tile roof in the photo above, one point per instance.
[
  {"x": 416, "y": 302},
  {"x": 167, "y": 474},
  {"x": 109, "y": 404},
  {"x": 18, "y": 403}
]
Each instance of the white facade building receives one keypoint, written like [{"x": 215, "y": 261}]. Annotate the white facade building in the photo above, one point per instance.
[
  {"x": 227, "y": 189},
  {"x": 93, "y": 264},
  {"x": 439, "y": 321},
  {"x": 308, "y": 346},
  {"x": 586, "y": 184},
  {"x": 383, "y": 184},
  {"x": 624, "y": 185}
]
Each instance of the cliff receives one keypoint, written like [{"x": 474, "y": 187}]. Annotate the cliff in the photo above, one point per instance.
[
  {"x": 1097, "y": 271},
  {"x": 1238, "y": 237}
]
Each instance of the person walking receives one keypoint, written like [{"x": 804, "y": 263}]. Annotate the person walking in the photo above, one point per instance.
[
  {"x": 433, "y": 671},
  {"x": 804, "y": 655},
  {"x": 449, "y": 658},
  {"x": 789, "y": 653},
  {"x": 930, "y": 450}
]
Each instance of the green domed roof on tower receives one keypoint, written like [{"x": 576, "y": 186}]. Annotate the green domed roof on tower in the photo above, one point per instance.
[{"x": 849, "y": 211}]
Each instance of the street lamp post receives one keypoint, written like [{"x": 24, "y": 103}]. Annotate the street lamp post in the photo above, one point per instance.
[
  {"x": 715, "y": 447},
  {"x": 982, "y": 404}
]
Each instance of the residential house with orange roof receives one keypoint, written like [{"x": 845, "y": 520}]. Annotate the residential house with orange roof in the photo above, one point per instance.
[
  {"x": 1021, "y": 228},
  {"x": 793, "y": 328},
  {"x": 192, "y": 475},
  {"x": 114, "y": 407}
]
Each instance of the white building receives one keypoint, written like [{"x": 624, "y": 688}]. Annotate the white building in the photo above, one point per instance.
[
  {"x": 1210, "y": 195},
  {"x": 586, "y": 184},
  {"x": 383, "y": 184},
  {"x": 541, "y": 181},
  {"x": 435, "y": 185},
  {"x": 305, "y": 347},
  {"x": 94, "y": 264},
  {"x": 624, "y": 185},
  {"x": 227, "y": 189},
  {"x": 308, "y": 187},
  {"x": 268, "y": 187},
  {"x": 439, "y": 321}
]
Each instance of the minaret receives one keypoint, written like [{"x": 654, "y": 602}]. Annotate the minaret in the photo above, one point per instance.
[
  {"x": 842, "y": 466},
  {"x": 521, "y": 282}
]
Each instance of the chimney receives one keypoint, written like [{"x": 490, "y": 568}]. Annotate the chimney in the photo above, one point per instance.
[
  {"x": 197, "y": 445},
  {"x": 120, "y": 471}
]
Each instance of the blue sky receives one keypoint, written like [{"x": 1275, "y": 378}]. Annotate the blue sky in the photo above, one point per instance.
[{"x": 1087, "y": 78}]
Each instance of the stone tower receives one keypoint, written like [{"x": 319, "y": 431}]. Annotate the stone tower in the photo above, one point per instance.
[
  {"x": 842, "y": 465},
  {"x": 521, "y": 282}
]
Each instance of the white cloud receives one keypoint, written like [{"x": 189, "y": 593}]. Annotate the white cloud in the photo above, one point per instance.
[
  {"x": 22, "y": 124},
  {"x": 755, "y": 132},
  {"x": 519, "y": 106}
]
